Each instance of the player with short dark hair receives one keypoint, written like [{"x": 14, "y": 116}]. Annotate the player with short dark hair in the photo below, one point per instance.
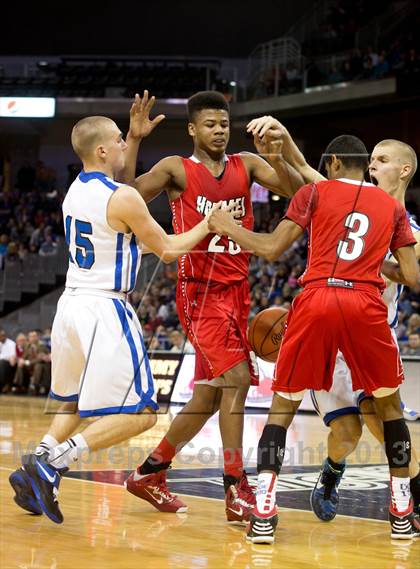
[
  {"x": 352, "y": 225},
  {"x": 213, "y": 296},
  {"x": 350, "y": 150},
  {"x": 206, "y": 100}
]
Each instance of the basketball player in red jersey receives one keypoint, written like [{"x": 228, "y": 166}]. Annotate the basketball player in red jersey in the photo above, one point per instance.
[
  {"x": 392, "y": 165},
  {"x": 352, "y": 226},
  {"x": 212, "y": 293}
]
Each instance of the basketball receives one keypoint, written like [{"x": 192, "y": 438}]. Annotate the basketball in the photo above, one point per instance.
[{"x": 266, "y": 332}]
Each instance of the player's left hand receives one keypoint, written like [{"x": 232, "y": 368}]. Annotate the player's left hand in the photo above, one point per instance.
[
  {"x": 268, "y": 146},
  {"x": 140, "y": 123}
]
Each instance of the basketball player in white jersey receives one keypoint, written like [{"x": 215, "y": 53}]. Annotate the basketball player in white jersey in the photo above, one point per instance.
[
  {"x": 392, "y": 166},
  {"x": 99, "y": 361}
]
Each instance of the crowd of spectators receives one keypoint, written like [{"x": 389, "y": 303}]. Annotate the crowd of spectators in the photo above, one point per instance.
[
  {"x": 340, "y": 26},
  {"x": 25, "y": 363},
  {"x": 331, "y": 55},
  {"x": 30, "y": 215}
]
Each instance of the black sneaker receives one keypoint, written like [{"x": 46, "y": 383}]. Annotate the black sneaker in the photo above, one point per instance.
[
  {"x": 25, "y": 497},
  {"x": 45, "y": 480},
  {"x": 261, "y": 529},
  {"x": 324, "y": 497},
  {"x": 404, "y": 525}
]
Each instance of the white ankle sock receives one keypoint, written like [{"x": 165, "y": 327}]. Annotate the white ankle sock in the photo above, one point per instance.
[
  {"x": 65, "y": 453},
  {"x": 400, "y": 493},
  {"x": 46, "y": 444},
  {"x": 266, "y": 492}
]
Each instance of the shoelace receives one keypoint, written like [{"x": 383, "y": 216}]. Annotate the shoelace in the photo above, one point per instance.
[
  {"x": 245, "y": 485},
  {"x": 245, "y": 488},
  {"x": 329, "y": 480},
  {"x": 162, "y": 488}
]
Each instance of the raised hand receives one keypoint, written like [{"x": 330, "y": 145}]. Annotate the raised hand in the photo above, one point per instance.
[
  {"x": 140, "y": 123},
  {"x": 268, "y": 146},
  {"x": 267, "y": 125}
]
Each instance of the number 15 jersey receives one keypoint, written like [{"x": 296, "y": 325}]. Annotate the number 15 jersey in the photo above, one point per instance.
[
  {"x": 215, "y": 259},
  {"x": 99, "y": 257},
  {"x": 351, "y": 225}
]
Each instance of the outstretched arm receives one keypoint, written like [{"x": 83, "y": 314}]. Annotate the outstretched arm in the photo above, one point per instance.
[
  {"x": 274, "y": 172},
  {"x": 268, "y": 128},
  {"x": 128, "y": 207},
  {"x": 268, "y": 245}
]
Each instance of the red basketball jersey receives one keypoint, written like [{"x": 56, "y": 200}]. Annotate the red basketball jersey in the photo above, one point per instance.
[
  {"x": 215, "y": 259},
  {"x": 351, "y": 228}
]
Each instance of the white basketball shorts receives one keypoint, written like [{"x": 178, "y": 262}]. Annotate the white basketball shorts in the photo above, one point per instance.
[
  {"x": 98, "y": 355},
  {"x": 340, "y": 399}
]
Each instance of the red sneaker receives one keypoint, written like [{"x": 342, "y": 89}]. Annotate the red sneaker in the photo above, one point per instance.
[
  {"x": 153, "y": 489},
  {"x": 240, "y": 501}
]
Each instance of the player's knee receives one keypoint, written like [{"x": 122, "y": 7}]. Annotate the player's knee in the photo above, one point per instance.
[
  {"x": 348, "y": 431},
  {"x": 66, "y": 408},
  {"x": 206, "y": 401},
  {"x": 388, "y": 406},
  {"x": 147, "y": 420},
  {"x": 238, "y": 376},
  {"x": 233, "y": 398}
]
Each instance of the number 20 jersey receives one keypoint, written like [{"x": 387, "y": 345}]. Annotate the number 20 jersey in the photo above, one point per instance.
[
  {"x": 99, "y": 257},
  {"x": 351, "y": 227},
  {"x": 215, "y": 259}
]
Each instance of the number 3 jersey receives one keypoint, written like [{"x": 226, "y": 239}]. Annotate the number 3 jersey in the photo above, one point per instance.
[
  {"x": 99, "y": 257},
  {"x": 214, "y": 259},
  {"x": 351, "y": 226}
]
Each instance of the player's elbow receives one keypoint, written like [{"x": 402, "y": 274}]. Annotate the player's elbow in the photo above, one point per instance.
[
  {"x": 270, "y": 255},
  {"x": 412, "y": 278},
  {"x": 270, "y": 252},
  {"x": 168, "y": 257}
]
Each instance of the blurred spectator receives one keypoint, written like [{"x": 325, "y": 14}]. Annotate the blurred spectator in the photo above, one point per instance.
[
  {"x": 335, "y": 76},
  {"x": 7, "y": 359},
  {"x": 48, "y": 247},
  {"x": 179, "y": 343},
  {"x": 412, "y": 348},
  {"x": 46, "y": 338},
  {"x": 33, "y": 373},
  {"x": 413, "y": 325},
  {"x": 381, "y": 69}
]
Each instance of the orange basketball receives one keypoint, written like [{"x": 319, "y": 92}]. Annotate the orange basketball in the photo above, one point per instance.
[{"x": 266, "y": 332}]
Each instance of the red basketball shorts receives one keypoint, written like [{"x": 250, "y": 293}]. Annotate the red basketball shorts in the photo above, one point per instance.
[
  {"x": 215, "y": 319},
  {"x": 324, "y": 320}
]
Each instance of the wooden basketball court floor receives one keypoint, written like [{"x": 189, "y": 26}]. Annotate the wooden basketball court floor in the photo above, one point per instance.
[{"x": 106, "y": 527}]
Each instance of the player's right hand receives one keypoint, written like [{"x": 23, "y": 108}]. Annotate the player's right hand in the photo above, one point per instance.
[{"x": 219, "y": 219}]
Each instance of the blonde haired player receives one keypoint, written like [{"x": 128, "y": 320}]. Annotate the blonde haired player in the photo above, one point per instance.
[{"x": 99, "y": 361}]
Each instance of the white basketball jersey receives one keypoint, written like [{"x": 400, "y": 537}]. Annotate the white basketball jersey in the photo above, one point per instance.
[
  {"x": 99, "y": 257},
  {"x": 393, "y": 292}
]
